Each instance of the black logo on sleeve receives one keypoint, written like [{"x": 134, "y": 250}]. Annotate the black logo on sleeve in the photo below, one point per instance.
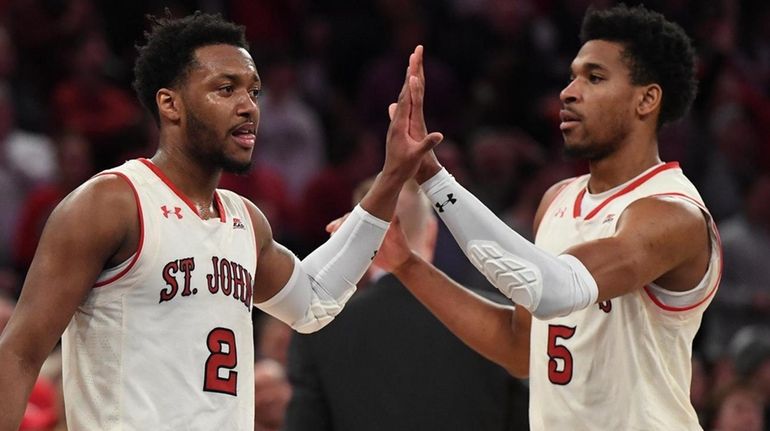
[{"x": 450, "y": 199}]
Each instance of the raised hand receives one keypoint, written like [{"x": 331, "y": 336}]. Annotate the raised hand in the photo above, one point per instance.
[
  {"x": 407, "y": 139},
  {"x": 417, "y": 128}
]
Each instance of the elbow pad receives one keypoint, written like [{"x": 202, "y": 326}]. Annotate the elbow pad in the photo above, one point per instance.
[{"x": 322, "y": 283}]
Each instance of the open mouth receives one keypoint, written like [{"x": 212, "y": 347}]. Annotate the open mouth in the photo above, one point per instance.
[{"x": 245, "y": 135}]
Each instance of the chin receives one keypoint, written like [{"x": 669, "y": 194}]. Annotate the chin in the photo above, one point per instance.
[{"x": 235, "y": 166}]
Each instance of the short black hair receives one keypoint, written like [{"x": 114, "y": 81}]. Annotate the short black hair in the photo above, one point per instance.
[
  {"x": 656, "y": 50},
  {"x": 171, "y": 43}
]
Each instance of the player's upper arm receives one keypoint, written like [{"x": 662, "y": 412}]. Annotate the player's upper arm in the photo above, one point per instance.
[
  {"x": 659, "y": 239},
  {"x": 275, "y": 262},
  {"x": 91, "y": 226}
]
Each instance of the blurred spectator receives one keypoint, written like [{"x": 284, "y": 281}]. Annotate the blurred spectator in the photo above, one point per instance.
[
  {"x": 750, "y": 352},
  {"x": 290, "y": 139},
  {"x": 329, "y": 193},
  {"x": 26, "y": 160},
  {"x": 41, "y": 30},
  {"x": 272, "y": 393},
  {"x": 88, "y": 103},
  {"x": 743, "y": 297},
  {"x": 500, "y": 161},
  {"x": 738, "y": 407},
  {"x": 382, "y": 79},
  {"x": 272, "y": 338},
  {"x": 74, "y": 166}
]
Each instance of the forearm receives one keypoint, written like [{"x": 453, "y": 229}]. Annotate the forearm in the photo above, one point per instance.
[
  {"x": 381, "y": 199},
  {"x": 545, "y": 284},
  {"x": 486, "y": 327},
  {"x": 321, "y": 284},
  {"x": 17, "y": 377}
]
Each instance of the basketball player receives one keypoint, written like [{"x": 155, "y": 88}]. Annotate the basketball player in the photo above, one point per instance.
[
  {"x": 625, "y": 260},
  {"x": 153, "y": 271}
]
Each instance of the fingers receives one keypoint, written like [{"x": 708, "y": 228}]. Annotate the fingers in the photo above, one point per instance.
[
  {"x": 391, "y": 111},
  {"x": 417, "y": 127},
  {"x": 334, "y": 225}
]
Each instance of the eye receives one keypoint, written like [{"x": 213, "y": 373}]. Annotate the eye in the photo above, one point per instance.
[
  {"x": 226, "y": 89},
  {"x": 595, "y": 79},
  {"x": 254, "y": 93}
]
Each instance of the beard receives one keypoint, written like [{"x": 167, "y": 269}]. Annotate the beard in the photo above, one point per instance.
[
  {"x": 592, "y": 152},
  {"x": 207, "y": 147},
  {"x": 598, "y": 147}
]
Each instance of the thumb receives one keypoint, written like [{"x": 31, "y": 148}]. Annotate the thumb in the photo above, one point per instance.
[
  {"x": 392, "y": 110},
  {"x": 430, "y": 141}
]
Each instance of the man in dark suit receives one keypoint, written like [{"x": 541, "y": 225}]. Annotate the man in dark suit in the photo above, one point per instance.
[{"x": 387, "y": 364}]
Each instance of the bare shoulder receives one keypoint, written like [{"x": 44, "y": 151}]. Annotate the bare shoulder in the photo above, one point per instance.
[
  {"x": 101, "y": 212},
  {"x": 262, "y": 231}
]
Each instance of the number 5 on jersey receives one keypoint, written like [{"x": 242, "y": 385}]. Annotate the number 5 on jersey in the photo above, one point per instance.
[
  {"x": 557, "y": 375},
  {"x": 221, "y": 344}
]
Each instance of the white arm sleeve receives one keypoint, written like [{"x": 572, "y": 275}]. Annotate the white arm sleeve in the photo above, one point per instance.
[
  {"x": 321, "y": 284},
  {"x": 546, "y": 285}
]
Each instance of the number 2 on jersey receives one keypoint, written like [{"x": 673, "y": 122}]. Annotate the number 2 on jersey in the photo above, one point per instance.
[
  {"x": 559, "y": 351},
  {"x": 221, "y": 344}
]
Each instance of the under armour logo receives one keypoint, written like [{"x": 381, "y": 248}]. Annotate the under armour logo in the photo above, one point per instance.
[
  {"x": 560, "y": 212},
  {"x": 449, "y": 200},
  {"x": 609, "y": 218},
  {"x": 177, "y": 211}
]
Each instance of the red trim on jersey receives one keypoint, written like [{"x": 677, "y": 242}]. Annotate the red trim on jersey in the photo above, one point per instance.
[
  {"x": 629, "y": 188},
  {"x": 220, "y": 207},
  {"x": 578, "y": 203},
  {"x": 253, "y": 228},
  {"x": 155, "y": 169},
  {"x": 713, "y": 290},
  {"x": 141, "y": 233}
]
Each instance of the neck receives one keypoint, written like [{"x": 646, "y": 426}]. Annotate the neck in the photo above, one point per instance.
[
  {"x": 195, "y": 179},
  {"x": 622, "y": 165}
]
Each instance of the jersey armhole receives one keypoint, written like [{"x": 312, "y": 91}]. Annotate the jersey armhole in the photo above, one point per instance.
[
  {"x": 109, "y": 276},
  {"x": 683, "y": 301}
]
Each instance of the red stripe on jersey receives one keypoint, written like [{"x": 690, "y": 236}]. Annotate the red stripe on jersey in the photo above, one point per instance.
[
  {"x": 713, "y": 290},
  {"x": 629, "y": 188},
  {"x": 156, "y": 170},
  {"x": 141, "y": 233}
]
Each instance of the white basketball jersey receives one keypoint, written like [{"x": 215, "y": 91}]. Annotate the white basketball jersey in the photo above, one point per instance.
[
  {"x": 164, "y": 341},
  {"x": 623, "y": 364}
]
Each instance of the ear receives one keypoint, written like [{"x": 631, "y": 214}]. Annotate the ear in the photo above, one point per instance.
[
  {"x": 169, "y": 104},
  {"x": 650, "y": 99}
]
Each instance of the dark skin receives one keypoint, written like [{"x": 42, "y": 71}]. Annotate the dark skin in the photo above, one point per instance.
[
  {"x": 614, "y": 122},
  {"x": 96, "y": 226}
]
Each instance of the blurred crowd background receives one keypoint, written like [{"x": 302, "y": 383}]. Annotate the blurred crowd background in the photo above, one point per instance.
[{"x": 329, "y": 70}]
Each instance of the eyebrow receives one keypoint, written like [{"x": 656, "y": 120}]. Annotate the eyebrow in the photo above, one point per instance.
[
  {"x": 589, "y": 67},
  {"x": 237, "y": 78}
]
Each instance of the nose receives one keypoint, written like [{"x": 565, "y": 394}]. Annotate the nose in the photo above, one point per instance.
[
  {"x": 247, "y": 106},
  {"x": 569, "y": 94}
]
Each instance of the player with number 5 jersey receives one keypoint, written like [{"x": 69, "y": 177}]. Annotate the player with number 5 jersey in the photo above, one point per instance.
[{"x": 626, "y": 258}]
